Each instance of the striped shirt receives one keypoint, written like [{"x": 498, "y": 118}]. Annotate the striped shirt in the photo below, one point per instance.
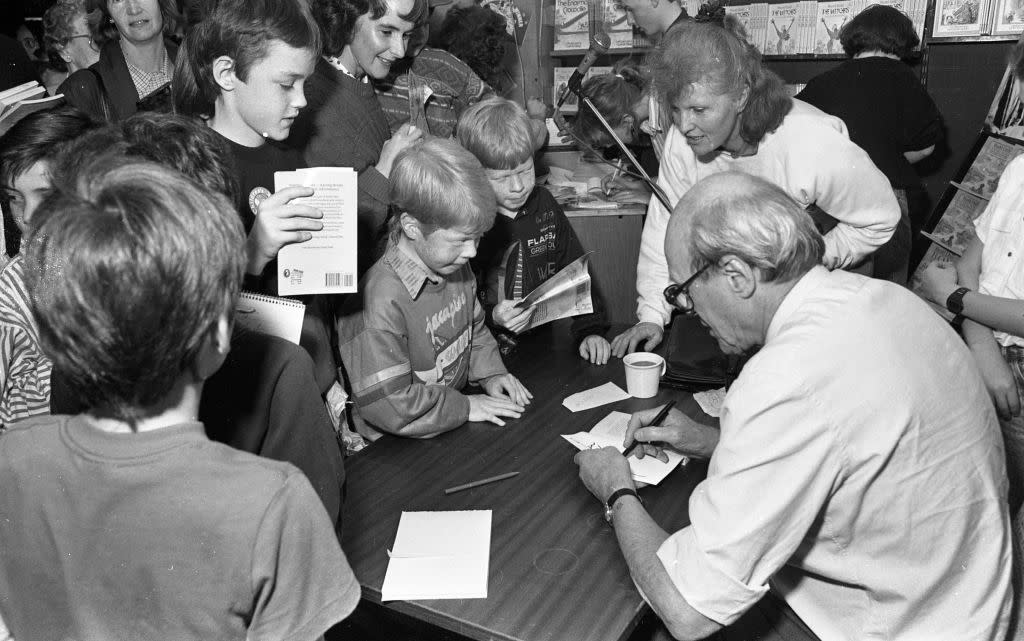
[{"x": 24, "y": 369}]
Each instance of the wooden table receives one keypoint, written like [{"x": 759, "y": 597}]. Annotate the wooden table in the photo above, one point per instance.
[{"x": 556, "y": 572}]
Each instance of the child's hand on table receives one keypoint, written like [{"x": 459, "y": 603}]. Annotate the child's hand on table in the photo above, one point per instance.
[
  {"x": 595, "y": 349},
  {"x": 507, "y": 315},
  {"x": 506, "y": 386}
]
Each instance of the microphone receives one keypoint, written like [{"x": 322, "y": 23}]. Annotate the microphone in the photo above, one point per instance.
[{"x": 599, "y": 44}]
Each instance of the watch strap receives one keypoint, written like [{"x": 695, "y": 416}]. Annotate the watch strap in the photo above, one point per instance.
[
  {"x": 618, "y": 494},
  {"x": 955, "y": 301}
]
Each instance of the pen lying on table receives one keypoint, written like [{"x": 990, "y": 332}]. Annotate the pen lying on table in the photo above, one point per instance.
[
  {"x": 658, "y": 418},
  {"x": 468, "y": 486}
]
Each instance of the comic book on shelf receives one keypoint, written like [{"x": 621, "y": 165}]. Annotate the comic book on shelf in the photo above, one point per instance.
[{"x": 1007, "y": 17}]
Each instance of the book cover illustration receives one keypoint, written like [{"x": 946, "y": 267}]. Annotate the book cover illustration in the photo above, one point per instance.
[
  {"x": 831, "y": 18},
  {"x": 572, "y": 24},
  {"x": 958, "y": 18},
  {"x": 781, "y": 40}
]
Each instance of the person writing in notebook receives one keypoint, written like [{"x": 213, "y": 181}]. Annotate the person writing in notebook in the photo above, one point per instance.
[{"x": 813, "y": 496}]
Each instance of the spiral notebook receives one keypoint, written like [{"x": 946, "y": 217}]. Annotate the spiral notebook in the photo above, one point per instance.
[{"x": 280, "y": 317}]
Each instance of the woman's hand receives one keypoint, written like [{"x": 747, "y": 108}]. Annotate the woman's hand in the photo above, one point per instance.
[
  {"x": 938, "y": 281},
  {"x": 406, "y": 136}
]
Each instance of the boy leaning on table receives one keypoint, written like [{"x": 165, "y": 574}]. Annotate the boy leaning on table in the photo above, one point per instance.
[
  {"x": 416, "y": 335},
  {"x": 131, "y": 523},
  {"x": 531, "y": 239}
]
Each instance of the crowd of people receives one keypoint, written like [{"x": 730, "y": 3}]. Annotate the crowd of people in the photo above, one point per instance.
[{"x": 867, "y": 475}]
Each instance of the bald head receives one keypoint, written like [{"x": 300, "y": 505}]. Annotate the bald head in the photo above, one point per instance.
[{"x": 745, "y": 216}]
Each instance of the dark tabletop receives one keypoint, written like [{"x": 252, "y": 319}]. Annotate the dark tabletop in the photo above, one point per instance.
[{"x": 556, "y": 572}]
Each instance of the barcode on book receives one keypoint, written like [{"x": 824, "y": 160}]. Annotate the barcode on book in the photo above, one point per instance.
[{"x": 337, "y": 279}]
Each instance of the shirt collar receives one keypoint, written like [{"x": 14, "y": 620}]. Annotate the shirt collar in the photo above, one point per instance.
[
  {"x": 336, "y": 62},
  {"x": 411, "y": 273},
  {"x": 804, "y": 287}
]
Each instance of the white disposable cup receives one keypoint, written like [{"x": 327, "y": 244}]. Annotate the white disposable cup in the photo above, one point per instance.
[{"x": 643, "y": 372}]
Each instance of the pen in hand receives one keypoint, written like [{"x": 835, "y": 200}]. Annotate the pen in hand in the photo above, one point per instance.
[
  {"x": 658, "y": 418},
  {"x": 618, "y": 170}
]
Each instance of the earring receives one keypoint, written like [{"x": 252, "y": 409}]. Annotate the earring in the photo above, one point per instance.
[{"x": 265, "y": 134}]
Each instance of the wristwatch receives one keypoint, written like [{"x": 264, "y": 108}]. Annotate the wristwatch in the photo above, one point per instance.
[
  {"x": 955, "y": 302},
  {"x": 609, "y": 505}
]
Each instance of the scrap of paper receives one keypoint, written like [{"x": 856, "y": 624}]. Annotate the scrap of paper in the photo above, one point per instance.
[
  {"x": 711, "y": 401},
  {"x": 611, "y": 432},
  {"x": 595, "y": 397},
  {"x": 439, "y": 555}
]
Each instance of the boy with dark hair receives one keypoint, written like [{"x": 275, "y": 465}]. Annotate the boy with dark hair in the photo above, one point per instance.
[
  {"x": 139, "y": 525},
  {"x": 531, "y": 239},
  {"x": 27, "y": 153},
  {"x": 416, "y": 335}
]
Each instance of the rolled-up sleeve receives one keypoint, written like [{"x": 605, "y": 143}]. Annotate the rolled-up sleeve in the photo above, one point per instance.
[{"x": 767, "y": 483}]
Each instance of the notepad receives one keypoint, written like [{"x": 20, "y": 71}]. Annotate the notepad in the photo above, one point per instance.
[
  {"x": 281, "y": 317},
  {"x": 439, "y": 555},
  {"x": 610, "y": 432}
]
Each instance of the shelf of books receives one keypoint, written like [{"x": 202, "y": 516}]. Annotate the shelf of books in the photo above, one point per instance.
[{"x": 976, "y": 21}]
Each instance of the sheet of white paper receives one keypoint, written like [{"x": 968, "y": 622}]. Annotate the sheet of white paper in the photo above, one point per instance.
[
  {"x": 611, "y": 432},
  {"x": 595, "y": 397},
  {"x": 711, "y": 401},
  {"x": 326, "y": 263},
  {"x": 439, "y": 555}
]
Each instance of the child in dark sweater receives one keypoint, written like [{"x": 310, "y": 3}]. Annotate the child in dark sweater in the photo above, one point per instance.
[{"x": 531, "y": 239}]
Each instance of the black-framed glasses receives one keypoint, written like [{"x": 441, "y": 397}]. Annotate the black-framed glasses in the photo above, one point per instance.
[{"x": 675, "y": 291}]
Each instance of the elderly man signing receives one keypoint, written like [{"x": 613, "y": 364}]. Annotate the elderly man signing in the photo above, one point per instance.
[{"x": 858, "y": 472}]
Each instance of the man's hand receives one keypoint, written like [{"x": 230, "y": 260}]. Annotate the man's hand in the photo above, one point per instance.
[
  {"x": 279, "y": 223},
  {"x": 603, "y": 471},
  {"x": 507, "y": 387},
  {"x": 938, "y": 281},
  {"x": 627, "y": 341},
  {"x": 488, "y": 408},
  {"x": 595, "y": 349},
  {"x": 678, "y": 431},
  {"x": 998, "y": 379},
  {"x": 514, "y": 319}
]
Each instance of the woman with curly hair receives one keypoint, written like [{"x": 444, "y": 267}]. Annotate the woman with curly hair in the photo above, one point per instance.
[{"x": 479, "y": 37}]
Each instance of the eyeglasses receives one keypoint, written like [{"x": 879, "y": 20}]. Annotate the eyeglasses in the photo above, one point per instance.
[
  {"x": 675, "y": 291},
  {"x": 80, "y": 35}
]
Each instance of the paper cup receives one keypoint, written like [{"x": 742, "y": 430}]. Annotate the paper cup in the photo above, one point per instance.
[{"x": 643, "y": 372}]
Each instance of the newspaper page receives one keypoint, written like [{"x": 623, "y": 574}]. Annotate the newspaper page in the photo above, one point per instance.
[
  {"x": 956, "y": 226},
  {"x": 565, "y": 294},
  {"x": 983, "y": 176},
  {"x": 326, "y": 263}
]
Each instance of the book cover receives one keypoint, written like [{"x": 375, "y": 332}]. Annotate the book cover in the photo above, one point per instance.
[
  {"x": 830, "y": 20},
  {"x": 781, "y": 38},
  {"x": 614, "y": 23},
  {"x": 572, "y": 24},
  {"x": 742, "y": 14},
  {"x": 559, "y": 85},
  {"x": 806, "y": 21},
  {"x": 758, "y": 32},
  {"x": 1007, "y": 17},
  {"x": 958, "y": 18}
]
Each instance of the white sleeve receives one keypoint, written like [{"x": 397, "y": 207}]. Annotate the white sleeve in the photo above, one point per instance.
[
  {"x": 829, "y": 170},
  {"x": 774, "y": 435},
  {"x": 652, "y": 266}
]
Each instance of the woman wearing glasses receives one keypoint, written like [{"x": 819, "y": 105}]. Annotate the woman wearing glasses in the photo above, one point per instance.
[
  {"x": 729, "y": 113},
  {"x": 69, "y": 44},
  {"x": 136, "y": 60}
]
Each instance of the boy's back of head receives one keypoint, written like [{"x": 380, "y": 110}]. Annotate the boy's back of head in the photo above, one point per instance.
[
  {"x": 132, "y": 266},
  {"x": 442, "y": 186},
  {"x": 178, "y": 142},
  {"x": 498, "y": 132}
]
